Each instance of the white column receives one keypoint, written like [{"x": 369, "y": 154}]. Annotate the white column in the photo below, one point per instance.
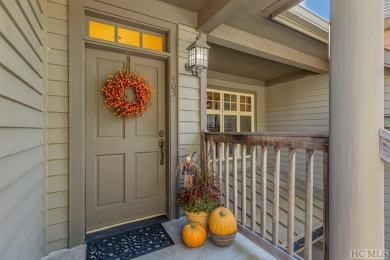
[{"x": 356, "y": 114}]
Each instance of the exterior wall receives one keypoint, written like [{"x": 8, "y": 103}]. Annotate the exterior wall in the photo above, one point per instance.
[
  {"x": 189, "y": 125},
  {"x": 57, "y": 125},
  {"x": 22, "y": 74},
  {"x": 189, "y": 96},
  {"x": 300, "y": 105},
  {"x": 286, "y": 118}
]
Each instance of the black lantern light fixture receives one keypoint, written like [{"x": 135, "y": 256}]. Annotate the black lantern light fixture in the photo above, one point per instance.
[{"x": 198, "y": 57}]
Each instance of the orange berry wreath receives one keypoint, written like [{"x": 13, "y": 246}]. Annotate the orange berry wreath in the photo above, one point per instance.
[{"x": 114, "y": 91}]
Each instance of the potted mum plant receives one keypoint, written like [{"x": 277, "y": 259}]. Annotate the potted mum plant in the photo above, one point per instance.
[{"x": 201, "y": 192}]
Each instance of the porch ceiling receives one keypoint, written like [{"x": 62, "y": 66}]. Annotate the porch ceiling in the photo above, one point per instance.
[
  {"x": 254, "y": 17},
  {"x": 251, "y": 21},
  {"x": 237, "y": 63}
]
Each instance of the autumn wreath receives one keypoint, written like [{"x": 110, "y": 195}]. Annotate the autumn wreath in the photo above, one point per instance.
[{"x": 114, "y": 91}]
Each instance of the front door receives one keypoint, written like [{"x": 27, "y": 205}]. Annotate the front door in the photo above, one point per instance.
[{"x": 125, "y": 168}]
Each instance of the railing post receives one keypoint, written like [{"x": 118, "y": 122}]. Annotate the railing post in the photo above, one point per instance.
[
  {"x": 220, "y": 159},
  {"x": 253, "y": 187},
  {"x": 208, "y": 147},
  {"x": 275, "y": 219},
  {"x": 264, "y": 191},
  {"x": 309, "y": 204},
  {"x": 227, "y": 174},
  {"x": 243, "y": 185},
  {"x": 235, "y": 182},
  {"x": 204, "y": 149},
  {"x": 291, "y": 201},
  {"x": 213, "y": 160},
  {"x": 325, "y": 227}
]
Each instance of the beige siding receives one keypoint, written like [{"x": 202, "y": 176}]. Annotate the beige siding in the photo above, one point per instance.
[
  {"x": 188, "y": 96},
  {"x": 300, "y": 105},
  {"x": 21, "y": 128},
  {"x": 57, "y": 121},
  {"x": 303, "y": 106}
]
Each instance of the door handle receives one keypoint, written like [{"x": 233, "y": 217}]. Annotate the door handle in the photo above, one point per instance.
[{"x": 161, "y": 143}]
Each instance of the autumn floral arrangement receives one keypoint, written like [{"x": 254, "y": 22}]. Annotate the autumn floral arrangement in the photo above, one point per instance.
[
  {"x": 114, "y": 92},
  {"x": 202, "y": 190}
]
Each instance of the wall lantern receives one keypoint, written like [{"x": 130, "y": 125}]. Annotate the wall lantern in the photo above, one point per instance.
[{"x": 198, "y": 57}]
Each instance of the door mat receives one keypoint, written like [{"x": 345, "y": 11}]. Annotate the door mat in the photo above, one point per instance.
[{"x": 130, "y": 244}]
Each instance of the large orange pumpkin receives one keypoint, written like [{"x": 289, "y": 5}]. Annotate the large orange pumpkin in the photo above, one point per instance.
[
  {"x": 222, "y": 222},
  {"x": 193, "y": 235}
]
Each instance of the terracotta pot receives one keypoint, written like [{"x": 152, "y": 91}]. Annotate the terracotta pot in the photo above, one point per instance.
[{"x": 201, "y": 217}]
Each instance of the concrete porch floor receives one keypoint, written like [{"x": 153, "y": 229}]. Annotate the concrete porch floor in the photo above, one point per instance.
[{"x": 241, "y": 249}]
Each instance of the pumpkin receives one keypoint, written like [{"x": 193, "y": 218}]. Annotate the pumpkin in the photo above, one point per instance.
[
  {"x": 222, "y": 222},
  {"x": 193, "y": 235}
]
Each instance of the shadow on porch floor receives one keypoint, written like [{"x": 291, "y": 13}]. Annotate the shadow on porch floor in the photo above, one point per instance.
[{"x": 241, "y": 249}]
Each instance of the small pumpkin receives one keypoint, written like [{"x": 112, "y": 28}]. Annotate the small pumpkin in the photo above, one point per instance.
[
  {"x": 222, "y": 221},
  {"x": 193, "y": 235}
]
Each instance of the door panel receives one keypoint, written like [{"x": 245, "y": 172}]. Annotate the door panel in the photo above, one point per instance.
[
  {"x": 124, "y": 178},
  {"x": 111, "y": 179},
  {"x": 146, "y": 163}
]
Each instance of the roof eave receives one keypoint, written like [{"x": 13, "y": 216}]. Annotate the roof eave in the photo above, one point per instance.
[{"x": 304, "y": 21}]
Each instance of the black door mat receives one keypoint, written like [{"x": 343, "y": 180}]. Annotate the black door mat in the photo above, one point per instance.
[{"x": 129, "y": 244}]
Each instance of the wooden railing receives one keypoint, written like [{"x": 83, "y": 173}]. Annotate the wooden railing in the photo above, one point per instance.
[{"x": 217, "y": 149}]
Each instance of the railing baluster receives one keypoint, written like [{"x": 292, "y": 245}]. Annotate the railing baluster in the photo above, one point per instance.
[
  {"x": 291, "y": 201},
  {"x": 243, "y": 185},
  {"x": 309, "y": 204},
  {"x": 235, "y": 182},
  {"x": 208, "y": 157},
  {"x": 204, "y": 149},
  {"x": 220, "y": 159},
  {"x": 253, "y": 187},
  {"x": 325, "y": 227},
  {"x": 275, "y": 219},
  {"x": 264, "y": 191},
  {"x": 213, "y": 152},
  {"x": 227, "y": 174}
]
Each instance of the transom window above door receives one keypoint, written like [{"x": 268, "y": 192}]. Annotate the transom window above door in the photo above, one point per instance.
[{"x": 125, "y": 35}]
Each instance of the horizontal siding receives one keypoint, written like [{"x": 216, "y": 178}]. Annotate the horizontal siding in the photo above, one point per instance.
[
  {"x": 21, "y": 124},
  {"x": 299, "y": 105},
  {"x": 188, "y": 97},
  {"x": 58, "y": 123}
]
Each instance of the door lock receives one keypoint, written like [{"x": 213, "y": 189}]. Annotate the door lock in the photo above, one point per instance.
[{"x": 161, "y": 133}]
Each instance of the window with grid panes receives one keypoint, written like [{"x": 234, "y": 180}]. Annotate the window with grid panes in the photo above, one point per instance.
[{"x": 229, "y": 111}]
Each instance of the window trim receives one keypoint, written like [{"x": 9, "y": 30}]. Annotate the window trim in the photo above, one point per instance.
[
  {"x": 116, "y": 25},
  {"x": 221, "y": 112}
]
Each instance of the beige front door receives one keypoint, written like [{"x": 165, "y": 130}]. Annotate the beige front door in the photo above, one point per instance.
[{"x": 125, "y": 173}]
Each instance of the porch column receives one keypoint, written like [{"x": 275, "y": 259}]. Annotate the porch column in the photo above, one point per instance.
[{"x": 356, "y": 114}]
